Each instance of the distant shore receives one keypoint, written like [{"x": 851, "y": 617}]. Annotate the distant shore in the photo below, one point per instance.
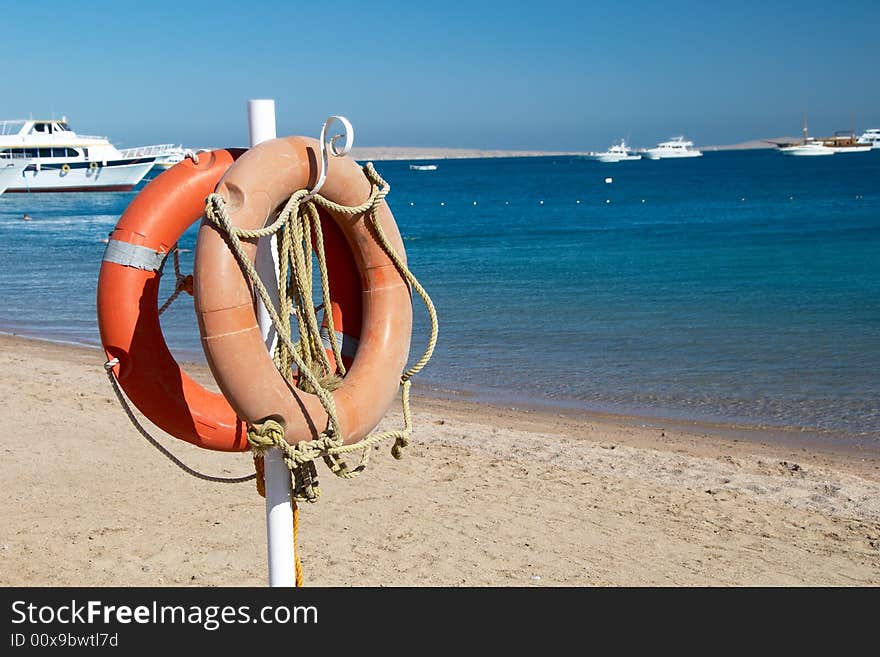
[
  {"x": 428, "y": 153},
  {"x": 385, "y": 153},
  {"x": 485, "y": 495}
]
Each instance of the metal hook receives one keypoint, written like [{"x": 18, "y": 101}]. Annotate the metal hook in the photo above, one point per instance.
[{"x": 329, "y": 148}]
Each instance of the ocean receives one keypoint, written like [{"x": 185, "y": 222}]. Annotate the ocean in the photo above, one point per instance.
[{"x": 740, "y": 287}]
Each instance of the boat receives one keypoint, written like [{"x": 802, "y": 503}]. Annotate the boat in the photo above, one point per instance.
[
  {"x": 617, "y": 153},
  {"x": 423, "y": 167},
  {"x": 844, "y": 141},
  {"x": 59, "y": 160},
  {"x": 871, "y": 136},
  {"x": 809, "y": 147},
  {"x": 10, "y": 173},
  {"x": 675, "y": 147}
]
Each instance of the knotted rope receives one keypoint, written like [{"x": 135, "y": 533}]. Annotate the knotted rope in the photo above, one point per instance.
[{"x": 293, "y": 228}]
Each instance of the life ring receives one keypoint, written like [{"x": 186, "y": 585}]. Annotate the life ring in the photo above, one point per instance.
[
  {"x": 253, "y": 188},
  {"x": 93, "y": 165},
  {"x": 65, "y": 168},
  {"x": 128, "y": 316}
]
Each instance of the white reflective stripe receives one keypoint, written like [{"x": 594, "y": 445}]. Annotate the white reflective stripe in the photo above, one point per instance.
[
  {"x": 132, "y": 255},
  {"x": 347, "y": 344}
]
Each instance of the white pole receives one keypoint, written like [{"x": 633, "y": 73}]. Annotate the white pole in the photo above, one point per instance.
[
  {"x": 279, "y": 519},
  {"x": 261, "y": 124}
]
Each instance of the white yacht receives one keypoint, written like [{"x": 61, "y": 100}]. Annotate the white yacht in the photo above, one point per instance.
[
  {"x": 676, "y": 147},
  {"x": 617, "y": 153},
  {"x": 10, "y": 172},
  {"x": 871, "y": 137},
  {"x": 59, "y": 160},
  {"x": 809, "y": 147},
  {"x": 423, "y": 167}
]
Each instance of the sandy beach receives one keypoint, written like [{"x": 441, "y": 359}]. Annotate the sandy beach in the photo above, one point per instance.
[{"x": 486, "y": 495}]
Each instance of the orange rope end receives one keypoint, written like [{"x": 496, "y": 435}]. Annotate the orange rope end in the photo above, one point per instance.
[{"x": 297, "y": 563}]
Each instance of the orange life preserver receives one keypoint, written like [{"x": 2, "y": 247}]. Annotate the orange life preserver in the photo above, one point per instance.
[
  {"x": 254, "y": 188},
  {"x": 128, "y": 315}
]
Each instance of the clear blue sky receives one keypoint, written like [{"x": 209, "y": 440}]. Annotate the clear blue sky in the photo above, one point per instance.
[{"x": 524, "y": 75}]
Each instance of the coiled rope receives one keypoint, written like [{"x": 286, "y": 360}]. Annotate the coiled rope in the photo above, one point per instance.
[{"x": 293, "y": 228}]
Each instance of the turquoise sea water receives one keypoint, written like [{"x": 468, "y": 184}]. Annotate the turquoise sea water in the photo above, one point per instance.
[{"x": 737, "y": 287}]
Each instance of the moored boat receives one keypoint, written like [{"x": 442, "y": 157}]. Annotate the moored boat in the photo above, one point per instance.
[
  {"x": 59, "y": 160},
  {"x": 844, "y": 141},
  {"x": 617, "y": 153},
  {"x": 870, "y": 137},
  {"x": 808, "y": 148},
  {"x": 674, "y": 148}
]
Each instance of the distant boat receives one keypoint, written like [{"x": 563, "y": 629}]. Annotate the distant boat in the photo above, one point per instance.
[
  {"x": 423, "y": 167},
  {"x": 59, "y": 160},
  {"x": 871, "y": 137},
  {"x": 674, "y": 148},
  {"x": 844, "y": 141},
  {"x": 617, "y": 153},
  {"x": 807, "y": 147},
  {"x": 10, "y": 172}
]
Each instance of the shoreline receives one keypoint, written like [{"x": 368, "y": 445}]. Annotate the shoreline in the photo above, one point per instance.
[
  {"x": 484, "y": 496},
  {"x": 403, "y": 153},
  {"x": 831, "y": 442}
]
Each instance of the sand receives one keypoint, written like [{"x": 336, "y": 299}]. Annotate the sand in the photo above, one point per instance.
[{"x": 487, "y": 495}]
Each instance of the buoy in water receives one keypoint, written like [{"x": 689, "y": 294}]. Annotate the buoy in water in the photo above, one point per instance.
[
  {"x": 26, "y": 217},
  {"x": 608, "y": 181}
]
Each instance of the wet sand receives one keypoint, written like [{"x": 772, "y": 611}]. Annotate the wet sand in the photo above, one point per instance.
[{"x": 486, "y": 495}]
